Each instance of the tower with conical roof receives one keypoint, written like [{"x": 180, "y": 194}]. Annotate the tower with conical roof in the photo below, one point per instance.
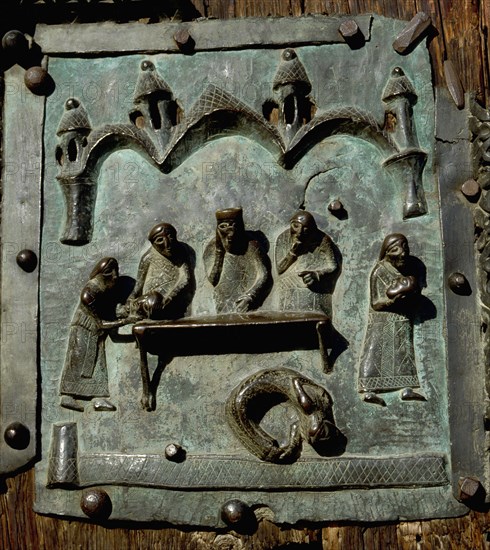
[
  {"x": 291, "y": 87},
  {"x": 399, "y": 96},
  {"x": 73, "y": 130},
  {"x": 408, "y": 163},
  {"x": 155, "y": 107}
]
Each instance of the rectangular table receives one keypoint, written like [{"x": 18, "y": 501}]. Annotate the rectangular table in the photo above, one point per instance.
[{"x": 256, "y": 332}]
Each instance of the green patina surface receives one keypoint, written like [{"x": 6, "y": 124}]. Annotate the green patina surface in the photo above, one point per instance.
[{"x": 133, "y": 196}]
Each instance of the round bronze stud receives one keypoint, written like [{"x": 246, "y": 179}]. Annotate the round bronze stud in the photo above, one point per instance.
[
  {"x": 175, "y": 453},
  {"x": 37, "y": 80},
  {"x": 17, "y": 436},
  {"x": 15, "y": 43},
  {"x": 234, "y": 511},
  {"x": 459, "y": 284},
  {"x": 470, "y": 189},
  {"x": 96, "y": 504},
  {"x": 27, "y": 260}
]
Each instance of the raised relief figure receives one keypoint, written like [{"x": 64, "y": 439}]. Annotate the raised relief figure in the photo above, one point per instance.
[
  {"x": 164, "y": 283},
  {"x": 306, "y": 264},
  {"x": 235, "y": 265},
  {"x": 85, "y": 372},
  {"x": 388, "y": 359}
]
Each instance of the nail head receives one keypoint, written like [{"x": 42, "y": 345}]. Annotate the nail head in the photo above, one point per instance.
[
  {"x": 470, "y": 188},
  {"x": 96, "y": 504},
  {"x": 27, "y": 260},
  {"x": 175, "y": 452},
  {"x": 458, "y": 283},
  {"x": 37, "y": 80},
  {"x": 17, "y": 436},
  {"x": 234, "y": 511},
  {"x": 349, "y": 29},
  {"x": 468, "y": 488},
  {"x": 184, "y": 40},
  {"x": 15, "y": 42}
]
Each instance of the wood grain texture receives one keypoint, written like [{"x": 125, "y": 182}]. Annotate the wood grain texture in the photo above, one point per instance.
[
  {"x": 462, "y": 36},
  {"x": 22, "y": 529}
]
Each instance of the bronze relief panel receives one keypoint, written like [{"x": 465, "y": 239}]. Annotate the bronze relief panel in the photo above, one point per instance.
[{"x": 243, "y": 251}]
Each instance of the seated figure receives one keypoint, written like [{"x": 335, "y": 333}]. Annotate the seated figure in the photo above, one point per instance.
[
  {"x": 307, "y": 266},
  {"x": 235, "y": 265},
  {"x": 164, "y": 283}
]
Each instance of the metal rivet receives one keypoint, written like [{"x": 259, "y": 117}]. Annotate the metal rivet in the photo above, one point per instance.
[
  {"x": 175, "y": 452},
  {"x": 468, "y": 488},
  {"x": 335, "y": 206},
  {"x": 15, "y": 43},
  {"x": 453, "y": 83},
  {"x": 352, "y": 34},
  {"x": 37, "y": 80},
  {"x": 184, "y": 40},
  {"x": 96, "y": 504},
  {"x": 412, "y": 33},
  {"x": 234, "y": 511},
  {"x": 459, "y": 284},
  {"x": 27, "y": 260},
  {"x": 470, "y": 189},
  {"x": 17, "y": 436},
  {"x": 349, "y": 28}
]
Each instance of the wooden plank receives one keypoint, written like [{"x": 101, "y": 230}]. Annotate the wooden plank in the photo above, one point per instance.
[
  {"x": 334, "y": 7},
  {"x": 484, "y": 47},
  {"x": 267, "y": 8},
  {"x": 222, "y": 9},
  {"x": 460, "y": 32},
  {"x": 317, "y": 6},
  {"x": 436, "y": 41}
]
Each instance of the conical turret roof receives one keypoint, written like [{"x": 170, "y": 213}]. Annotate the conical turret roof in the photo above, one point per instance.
[
  {"x": 75, "y": 118},
  {"x": 291, "y": 71},
  {"x": 398, "y": 85},
  {"x": 149, "y": 82}
]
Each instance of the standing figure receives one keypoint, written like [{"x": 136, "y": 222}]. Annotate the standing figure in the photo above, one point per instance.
[
  {"x": 164, "y": 283},
  {"x": 388, "y": 359},
  {"x": 85, "y": 372},
  {"x": 307, "y": 266},
  {"x": 235, "y": 265}
]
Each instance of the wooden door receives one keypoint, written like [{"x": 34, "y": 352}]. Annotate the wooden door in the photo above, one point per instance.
[{"x": 462, "y": 37}]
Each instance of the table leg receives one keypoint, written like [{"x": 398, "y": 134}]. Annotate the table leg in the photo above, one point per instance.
[
  {"x": 323, "y": 331},
  {"x": 146, "y": 402}
]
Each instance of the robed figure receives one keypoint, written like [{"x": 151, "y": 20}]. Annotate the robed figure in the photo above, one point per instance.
[
  {"x": 236, "y": 265},
  {"x": 307, "y": 266},
  {"x": 85, "y": 371},
  {"x": 387, "y": 359}
]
